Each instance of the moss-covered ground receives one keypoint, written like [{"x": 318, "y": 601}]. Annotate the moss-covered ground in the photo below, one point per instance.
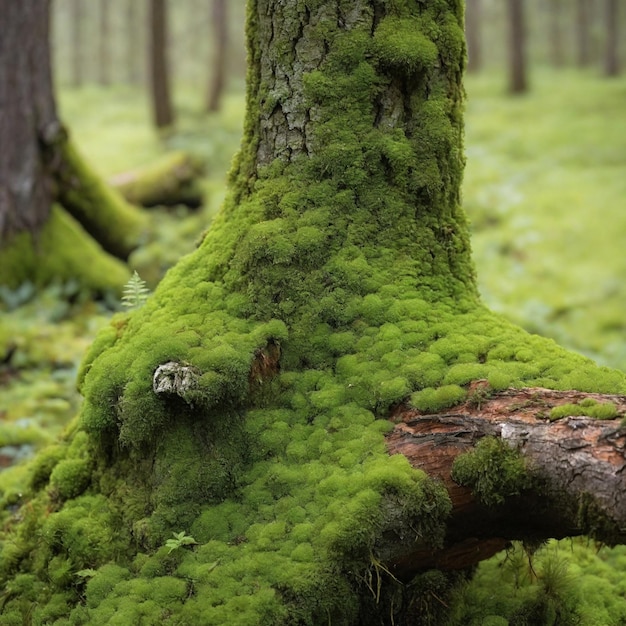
[{"x": 46, "y": 338}]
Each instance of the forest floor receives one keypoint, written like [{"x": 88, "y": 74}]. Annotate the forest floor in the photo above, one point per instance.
[{"x": 546, "y": 194}]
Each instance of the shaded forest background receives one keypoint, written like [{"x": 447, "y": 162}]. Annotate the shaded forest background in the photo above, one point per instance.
[{"x": 544, "y": 190}]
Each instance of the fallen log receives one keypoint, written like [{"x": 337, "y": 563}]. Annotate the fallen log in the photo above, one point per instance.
[
  {"x": 576, "y": 464},
  {"x": 172, "y": 180}
]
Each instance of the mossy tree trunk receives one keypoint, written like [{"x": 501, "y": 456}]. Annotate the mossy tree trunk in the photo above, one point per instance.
[
  {"x": 230, "y": 465},
  {"x": 39, "y": 166}
]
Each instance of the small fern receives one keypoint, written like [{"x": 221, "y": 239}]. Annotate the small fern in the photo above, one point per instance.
[
  {"x": 180, "y": 539},
  {"x": 135, "y": 292}
]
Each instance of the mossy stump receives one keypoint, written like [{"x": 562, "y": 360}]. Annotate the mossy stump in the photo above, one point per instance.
[{"x": 335, "y": 285}]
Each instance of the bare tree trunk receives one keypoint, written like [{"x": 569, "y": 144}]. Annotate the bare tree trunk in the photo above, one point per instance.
[
  {"x": 583, "y": 44},
  {"x": 77, "y": 43},
  {"x": 159, "y": 71},
  {"x": 611, "y": 50},
  {"x": 518, "y": 82},
  {"x": 220, "y": 34},
  {"x": 473, "y": 21},
  {"x": 104, "y": 62},
  {"x": 133, "y": 28},
  {"x": 556, "y": 32}
]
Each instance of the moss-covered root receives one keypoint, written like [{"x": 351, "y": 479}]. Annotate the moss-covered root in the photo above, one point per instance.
[
  {"x": 103, "y": 213},
  {"x": 62, "y": 251},
  {"x": 172, "y": 180}
]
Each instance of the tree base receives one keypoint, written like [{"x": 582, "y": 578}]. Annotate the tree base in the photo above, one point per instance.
[{"x": 62, "y": 251}]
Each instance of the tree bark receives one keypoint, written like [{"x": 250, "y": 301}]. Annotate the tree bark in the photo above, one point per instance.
[
  {"x": 28, "y": 116},
  {"x": 219, "y": 20},
  {"x": 577, "y": 462},
  {"x": 39, "y": 166},
  {"x": 611, "y": 46},
  {"x": 518, "y": 81},
  {"x": 473, "y": 27},
  {"x": 162, "y": 111}
]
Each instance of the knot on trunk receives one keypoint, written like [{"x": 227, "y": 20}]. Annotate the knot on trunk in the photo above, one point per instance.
[{"x": 175, "y": 378}]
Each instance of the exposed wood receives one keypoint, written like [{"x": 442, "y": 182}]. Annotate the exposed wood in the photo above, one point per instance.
[{"x": 578, "y": 462}]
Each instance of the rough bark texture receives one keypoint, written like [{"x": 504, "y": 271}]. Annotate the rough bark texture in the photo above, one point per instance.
[
  {"x": 162, "y": 110},
  {"x": 577, "y": 463},
  {"x": 28, "y": 116}
]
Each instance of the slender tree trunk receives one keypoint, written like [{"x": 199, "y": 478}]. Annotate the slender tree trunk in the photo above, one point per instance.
[
  {"x": 133, "y": 48},
  {"x": 557, "y": 55},
  {"x": 104, "y": 61},
  {"x": 611, "y": 49},
  {"x": 77, "y": 43},
  {"x": 473, "y": 26},
  {"x": 219, "y": 20},
  {"x": 162, "y": 111},
  {"x": 518, "y": 81},
  {"x": 583, "y": 27}
]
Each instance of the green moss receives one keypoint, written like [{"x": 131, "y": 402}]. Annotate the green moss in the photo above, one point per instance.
[
  {"x": 588, "y": 407},
  {"x": 399, "y": 45},
  {"x": 71, "y": 477},
  {"x": 493, "y": 470},
  {"x": 43, "y": 465},
  {"x": 63, "y": 252},
  {"x": 341, "y": 280},
  {"x": 101, "y": 210},
  {"x": 431, "y": 400}
]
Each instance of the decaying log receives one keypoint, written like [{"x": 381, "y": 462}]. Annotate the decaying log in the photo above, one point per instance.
[
  {"x": 170, "y": 181},
  {"x": 577, "y": 464}
]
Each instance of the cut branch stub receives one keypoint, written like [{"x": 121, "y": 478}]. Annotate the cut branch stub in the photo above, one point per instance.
[{"x": 175, "y": 379}]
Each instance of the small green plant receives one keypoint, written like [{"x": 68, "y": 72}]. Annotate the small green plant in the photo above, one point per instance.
[
  {"x": 135, "y": 292},
  {"x": 180, "y": 539},
  {"x": 493, "y": 470}
]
